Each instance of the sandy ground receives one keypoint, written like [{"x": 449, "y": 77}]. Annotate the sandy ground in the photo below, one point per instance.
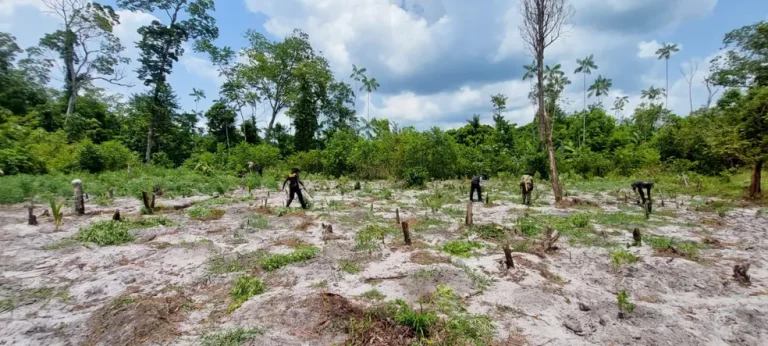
[{"x": 58, "y": 296}]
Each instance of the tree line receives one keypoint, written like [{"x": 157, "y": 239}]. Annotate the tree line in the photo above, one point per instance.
[{"x": 79, "y": 126}]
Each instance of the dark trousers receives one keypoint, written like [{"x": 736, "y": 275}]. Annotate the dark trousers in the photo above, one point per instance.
[
  {"x": 301, "y": 197},
  {"x": 642, "y": 195},
  {"x": 526, "y": 195},
  {"x": 476, "y": 187}
]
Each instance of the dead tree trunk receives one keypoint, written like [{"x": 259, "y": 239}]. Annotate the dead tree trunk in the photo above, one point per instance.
[
  {"x": 145, "y": 199},
  {"x": 406, "y": 233},
  {"x": 468, "y": 218},
  {"x": 637, "y": 237},
  {"x": 79, "y": 202},
  {"x": 508, "y": 256},
  {"x": 397, "y": 216},
  {"x": 116, "y": 216},
  {"x": 754, "y": 186},
  {"x": 32, "y": 219},
  {"x": 550, "y": 238}
]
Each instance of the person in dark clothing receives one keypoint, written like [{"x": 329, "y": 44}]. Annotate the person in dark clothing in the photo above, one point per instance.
[
  {"x": 638, "y": 187},
  {"x": 293, "y": 187},
  {"x": 476, "y": 182}
]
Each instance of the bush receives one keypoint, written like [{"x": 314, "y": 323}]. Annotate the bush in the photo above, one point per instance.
[
  {"x": 116, "y": 156},
  {"x": 415, "y": 177},
  {"x": 277, "y": 261},
  {"x": 162, "y": 160},
  {"x": 461, "y": 248},
  {"x": 89, "y": 158},
  {"x": 14, "y": 161},
  {"x": 104, "y": 233},
  {"x": 245, "y": 288}
]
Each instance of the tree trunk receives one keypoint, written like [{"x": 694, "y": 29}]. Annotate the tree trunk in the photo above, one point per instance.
[
  {"x": 71, "y": 103},
  {"x": 754, "y": 187},
  {"x": 397, "y": 215},
  {"x": 584, "y": 134},
  {"x": 32, "y": 219},
  {"x": 77, "y": 184},
  {"x": 468, "y": 218},
  {"x": 508, "y": 261},
  {"x": 545, "y": 131},
  {"x": 148, "y": 154},
  {"x": 406, "y": 233},
  {"x": 666, "y": 93},
  {"x": 268, "y": 134}
]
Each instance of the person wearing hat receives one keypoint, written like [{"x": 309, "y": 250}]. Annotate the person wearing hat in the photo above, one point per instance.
[{"x": 293, "y": 187}]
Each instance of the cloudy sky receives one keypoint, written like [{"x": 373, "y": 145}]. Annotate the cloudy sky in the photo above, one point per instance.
[{"x": 439, "y": 61}]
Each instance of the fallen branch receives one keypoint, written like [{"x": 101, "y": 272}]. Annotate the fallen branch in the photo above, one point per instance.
[{"x": 393, "y": 277}]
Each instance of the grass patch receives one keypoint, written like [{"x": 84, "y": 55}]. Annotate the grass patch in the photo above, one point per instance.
[
  {"x": 719, "y": 207},
  {"x": 105, "y": 233},
  {"x": 620, "y": 257},
  {"x": 204, "y": 213},
  {"x": 64, "y": 243},
  {"x": 428, "y": 258},
  {"x": 492, "y": 232},
  {"x": 424, "y": 225},
  {"x": 454, "y": 212},
  {"x": 623, "y": 303},
  {"x": 481, "y": 281},
  {"x": 257, "y": 221},
  {"x": 241, "y": 262},
  {"x": 245, "y": 288},
  {"x": 230, "y": 337},
  {"x": 148, "y": 222},
  {"x": 426, "y": 274},
  {"x": 674, "y": 247},
  {"x": 349, "y": 266},
  {"x": 6, "y": 305},
  {"x": 461, "y": 248},
  {"x": 373, "y": 295},
  {"x": 371, "y": 237},
  {"x": 276, "y": 261}
]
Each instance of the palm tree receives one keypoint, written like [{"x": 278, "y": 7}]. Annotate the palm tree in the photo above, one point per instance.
[
  {"x": 600, "y": 87},
  {"x": 619, "y": 103},
  {"x": 585, "y": 67},
  {"x": 358, "y": 74},
  {"x": 370, "y": 85},
  {"x": 665, "y": 52},
  {"x": 530, "y": 74},
  {"x": 556, "y": 83},
  {"x": 652, "y": 94},
  {"x": 198, "y": 95}
]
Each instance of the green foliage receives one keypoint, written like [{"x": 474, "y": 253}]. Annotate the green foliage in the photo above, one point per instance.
[
  {"x": 276, "y": 261},
  {"x": 622, "y": 301},
  {"x": 373, "y": 295},
  {"x": 621, "y": 256},
  {"x": 415, "y": 177},
  {"x": 491, "y": 231},
  {"x": 419, "y": 321},
  {"x": 58, "y": 216},
  {"x": 205, "y": 214},
  {"x": 245, "y": 287},
  {"x": 105, "y": 233},
  {"x": 687, "y": 249},
  {"x": 230, "y": 337},
  {"x": 461, "y": 248},
  {"x": 370, "y": 237},
  {"x": 348, "y": 266}
]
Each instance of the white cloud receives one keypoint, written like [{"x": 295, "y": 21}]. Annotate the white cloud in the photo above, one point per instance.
[
  {"x": 647, "y": 49},
  {"x": 7, "y": 7},
  {"x": 203, "y": 68}
]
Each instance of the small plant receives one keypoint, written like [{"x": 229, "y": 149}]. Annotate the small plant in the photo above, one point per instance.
[
  {"x": 6, "y": 305},
  {"x": 276, "y": 261},
  {"x": 461, "y": 248},
  {"x": 667, "y": 245},
  {"x": 621, "y": 256},
  {"x": 58, "y": 216},
  {"x": 369, "y": 237},
  {"x": 348, "y": 266},
  {"x": 245, "y": 288},
  {"x": 419, "y": 321},
  {"x": 257, "y": 221},
  {"x": 529, "y": 226},
  {"x": 492, "y": 231},
  {"x": 104, "y": 233},
  {"x": 579, "y": 220},
  {"x": 66, "y": 242},
  {"x": 481, "y": 281},
  {"x": 205, "y": 214},
  {"x": 373, "y": 295},
  {"x": 622, "y": 301},
  {"x": 231, "y": 337}
]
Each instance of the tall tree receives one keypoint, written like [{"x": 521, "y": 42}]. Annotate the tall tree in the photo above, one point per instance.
[
  {"x": 499, "y": 102},
  {"x": 198, "y": 95},
  {"x": 86, "y": 48},
  {"x": 338, "y": 109},
  {"x": 745, "y": 65},
  {"x": 313, "y": 78},
  {"x": 652, "y": 94},
  {"x": 712, "y": 90},
  {"x": 665, "y": 52},
  {"x": 619, "y": 103},
  {"x": 358, "y": 75},
  {"x": 221, "y": 122},
  {"x": 555, "y": 84},
  {"x": 161, "y": 45},
  {"x": 585, "y": 67},
  {"x": 543, "y": 23},
  {"x": 369, "y": 85},
  {"x": 600, "y": 88},
  {"x": 694, "y": 66},
  {"x": 270, "y": 69}
]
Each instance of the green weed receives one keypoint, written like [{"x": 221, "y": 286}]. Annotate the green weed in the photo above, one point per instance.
[
  {"x": 230, "y": 337},
  {"x": 461, "y": 248},
  {"x": 66, "y": 242},
  {"x": 370, "y": 237},
  {"x": 349, "y": 266},
  {"x": 481, "y": 281},
  {"x": 222, "y": 265},
  {"x": 687, "y": 249},
  {"x": 623, "y": 303},
  {"x": 373, "y": 295},
  {"x": 419, "y": 321},
  {"x": 427, "y": 223},
  {"x": 58, "y": 216},
  {"x": 105, "y": 233},
  {"x": 276, "y": 261},
  {"x": 621, "y": 256},
  {"x": 6, "y": 305},
  {"x": 245, "y": 288},
  {"x": 257, "y": 221},
  {"x": 492, "y": 232},
  {"x": 205, "y": 214}
]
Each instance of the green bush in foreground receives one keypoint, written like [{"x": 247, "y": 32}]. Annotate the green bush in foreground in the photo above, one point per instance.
[
  {"x": 104, "y": 233},
  {"x": 276, "y": 261},
  {"x": 245, "y": 288}
]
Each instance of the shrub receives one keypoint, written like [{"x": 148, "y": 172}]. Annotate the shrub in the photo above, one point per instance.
[
  {"x": 104, "y": 233},
  {"x": 116, "y": 156},
  {"x": 89, "y": 158},
  {"x": 415, "y": 177},
  {"x": 621, "y": 256},
  {"x": 161, "y": 159},
  {"x": 14, "y": 161},
  {"x": 461, "y": 248},
  {"x": 276, "y": 261},
  {"x": 205, "y": 214},
  {"x": 245, "y": 288}
]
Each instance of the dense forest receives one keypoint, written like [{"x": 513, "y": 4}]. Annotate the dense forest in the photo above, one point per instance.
[{"x": 80, "y": 127}]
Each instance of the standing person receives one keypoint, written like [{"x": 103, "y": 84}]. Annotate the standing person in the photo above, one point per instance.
[
  {"x": 293, "y": 187},
  {"x": 638, "y": 187},
  {"x": 476, "y": 186},
  {"x": 526, "y": 187}
]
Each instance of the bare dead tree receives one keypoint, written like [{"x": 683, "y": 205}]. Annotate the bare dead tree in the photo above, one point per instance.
[
  {"x": 689, "y": 78},
  {"x": 544, "y": 21},
  {"x": 712, "y": 90}
]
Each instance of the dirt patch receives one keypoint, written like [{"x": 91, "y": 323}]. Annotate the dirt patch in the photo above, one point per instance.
[
  {"x": 130, "y": 321},
  {"x": 427, "y": 258}
]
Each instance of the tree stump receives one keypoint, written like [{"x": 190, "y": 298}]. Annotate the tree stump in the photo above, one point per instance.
[
  {"x": 487, "y": 199},
  {"x": 145, "y": 200},
  {"x": 116, "y": 216},
  {"x": 397, "y": 215},
  {"x": 638, "y": 237},
  {"x": 468, "y": 218},
  {"x": 357, "y": 185},
  {"x": 371, "y": 207},
  {"x": 740, "y": 273},
  {"x": 111, "y": 192},
  {"x": 550, "y": 238},
  {"x": 406, "y": 233},
  {"x": 508, "y": 256},
  {"x": 77, "y": 184},
  {"x": 32, "y": 219}
]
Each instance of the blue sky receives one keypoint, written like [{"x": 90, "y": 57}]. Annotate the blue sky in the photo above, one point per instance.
[{"x": 438, "y": 61}]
